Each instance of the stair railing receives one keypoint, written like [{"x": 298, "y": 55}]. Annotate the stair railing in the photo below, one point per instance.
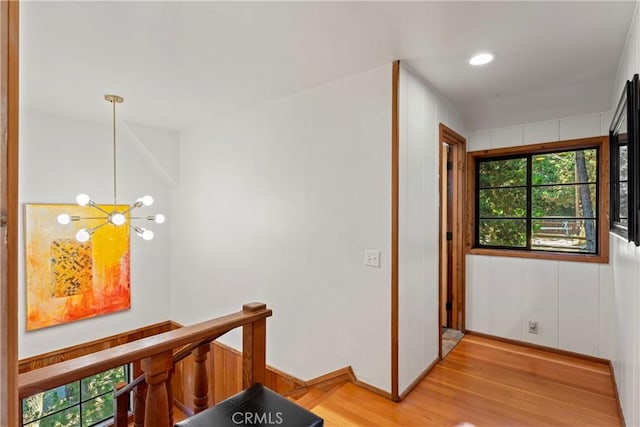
[{"x": 153, "y": 405}]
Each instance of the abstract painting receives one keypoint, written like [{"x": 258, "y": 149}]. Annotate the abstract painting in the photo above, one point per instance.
[{"x": 69, "y": 280}]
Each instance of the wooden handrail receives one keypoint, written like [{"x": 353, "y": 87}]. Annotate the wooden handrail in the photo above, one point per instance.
[{"x": 51, "y": 376}]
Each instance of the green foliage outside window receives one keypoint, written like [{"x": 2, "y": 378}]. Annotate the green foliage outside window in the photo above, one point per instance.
[
  {"x": 78, "y": 404},
  {"x": 543, "y": 201}
]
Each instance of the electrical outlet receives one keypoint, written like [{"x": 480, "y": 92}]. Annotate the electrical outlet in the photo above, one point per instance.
[
  {"x": 533, "y": 327},
  {"x": 372, "y": 258}
]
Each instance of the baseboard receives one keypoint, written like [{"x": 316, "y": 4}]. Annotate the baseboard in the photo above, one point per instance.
[
  {"x": 338, "y": 376},
  {"x": 417, "y": 381},
  {"x": 326, "y": 381},
  {"x": 541, "y": 347},
  {"x": 616, "y": 394},
  {"x": 333, "y": 378},
  {"x": 374, "y": 389}
]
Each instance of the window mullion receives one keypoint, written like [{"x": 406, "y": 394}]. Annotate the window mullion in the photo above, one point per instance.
[
  {"x": 80, "y": 403},
  {"x": 529, "y": 215}
]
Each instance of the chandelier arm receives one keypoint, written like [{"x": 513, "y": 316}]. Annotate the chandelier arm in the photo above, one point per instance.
[
  {"x": 80, "y": 218},
  {"x": 93, "y": 205},
  {"x": 132, "y": 207},
  {"x": 139, "y": 231},
  {"x": 94, "y": 229}
]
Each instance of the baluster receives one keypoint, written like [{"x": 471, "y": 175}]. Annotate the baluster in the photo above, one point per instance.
[
  {"x": 156, "y": 369},
  {"x": 201, "y": 381},
  {"x": 253, "y": 347},
  {"x": 139, "y": 397},
  {"x": 121, "y": 416}
]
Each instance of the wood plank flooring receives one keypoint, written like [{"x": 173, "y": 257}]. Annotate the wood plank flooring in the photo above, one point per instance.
[{"x": 484, "y": 382}]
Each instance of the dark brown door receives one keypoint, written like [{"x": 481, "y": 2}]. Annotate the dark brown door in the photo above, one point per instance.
[{"x": 449, "y": 224}]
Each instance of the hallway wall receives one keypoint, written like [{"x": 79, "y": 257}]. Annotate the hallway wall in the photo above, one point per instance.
[
  {"x": 572, "y": 301},
  {"x": 422, "y": 109},
  {"x": 277, "y": 204}
]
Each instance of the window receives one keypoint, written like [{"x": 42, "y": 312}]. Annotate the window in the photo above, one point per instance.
[
  {"x": 83, "y": 403},
  {"x": 540, "y": 201},
  {"x": 625, "y": 162}
]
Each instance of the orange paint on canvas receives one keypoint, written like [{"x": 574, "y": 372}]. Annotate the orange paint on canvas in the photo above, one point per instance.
[{"x": 68, "y": 280}]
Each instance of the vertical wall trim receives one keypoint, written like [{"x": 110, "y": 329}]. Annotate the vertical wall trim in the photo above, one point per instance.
[
  {"x": 441, "y": 230},
  {"x": 9, "y": 20},
  {"x": 395, "y": 206}
]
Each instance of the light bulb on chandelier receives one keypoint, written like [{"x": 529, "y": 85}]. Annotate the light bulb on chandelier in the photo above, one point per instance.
[
  {"x": 110, "y": 213},
  {"x": 158, "y": 219},
  {"x": 83, "y": 199},
  {"x": 82, "y": 235}
]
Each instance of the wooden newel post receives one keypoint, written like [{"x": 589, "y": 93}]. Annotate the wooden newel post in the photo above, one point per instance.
[
  {"x": 121, "y": 416},
  {"x": 156, "y": 369},
  {"x": 254, "y": 336},
  {"x": 201, "y": 381}
]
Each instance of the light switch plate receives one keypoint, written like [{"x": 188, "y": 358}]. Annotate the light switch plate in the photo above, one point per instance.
[{"x": 372, "y": 258}]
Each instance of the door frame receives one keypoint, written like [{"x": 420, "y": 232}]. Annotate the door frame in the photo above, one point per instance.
[
  {"x": 459, "y": 153},
  {"x": 9, "y": 403}
]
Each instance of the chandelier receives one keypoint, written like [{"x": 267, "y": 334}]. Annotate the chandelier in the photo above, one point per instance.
[{"x": 110, "y": 214}]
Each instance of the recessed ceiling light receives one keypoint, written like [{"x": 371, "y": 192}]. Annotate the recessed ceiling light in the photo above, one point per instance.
[{"x": 481, "y": 58}]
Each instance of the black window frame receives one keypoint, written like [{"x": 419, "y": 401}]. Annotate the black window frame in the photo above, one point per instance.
[
  {"x": 628, "y": 108},
  {"x": 82, "y": 400},
  {"x": 529, "y": 186}
]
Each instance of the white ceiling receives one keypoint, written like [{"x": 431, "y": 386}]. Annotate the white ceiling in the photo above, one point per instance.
[{"x": 178, "y": 63}]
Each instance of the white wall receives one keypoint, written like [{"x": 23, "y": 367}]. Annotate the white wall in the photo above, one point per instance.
[
  {"x": 422, "y": 109},
  {"x": 571, "y": 301},
  {"x": 159, "y": 147},
  {"x": 60, "y": 158},
  {"x": 625, "y": 263},
  {"x": 277, "y": 204}
]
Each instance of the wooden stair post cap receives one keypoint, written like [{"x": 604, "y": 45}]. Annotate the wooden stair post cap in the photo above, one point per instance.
[{"x": 252, "y": 307}]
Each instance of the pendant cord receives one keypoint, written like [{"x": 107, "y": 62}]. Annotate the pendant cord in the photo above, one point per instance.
[{"x": 114, "y": 156}]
